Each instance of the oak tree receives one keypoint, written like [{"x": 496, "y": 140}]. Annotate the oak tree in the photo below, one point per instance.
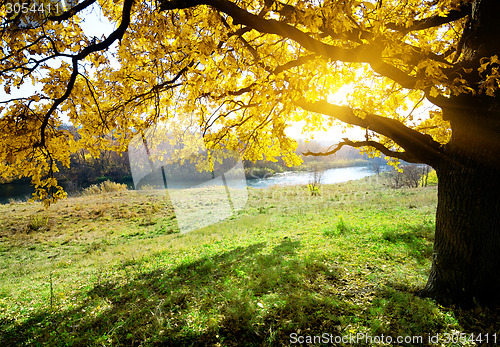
[{"x": 244, "y": 70}]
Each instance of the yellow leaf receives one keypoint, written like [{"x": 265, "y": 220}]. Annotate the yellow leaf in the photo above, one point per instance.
[{"x": 434, "y": 92}]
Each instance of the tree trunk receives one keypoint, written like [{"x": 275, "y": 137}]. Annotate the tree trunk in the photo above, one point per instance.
[{"x": 466, "y": 258}]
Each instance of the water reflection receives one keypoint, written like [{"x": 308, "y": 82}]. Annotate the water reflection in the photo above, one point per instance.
[{"x": 330, "y": 176}]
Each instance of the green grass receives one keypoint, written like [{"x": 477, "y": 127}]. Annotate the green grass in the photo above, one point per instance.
[{"x": 112, "y": 269}]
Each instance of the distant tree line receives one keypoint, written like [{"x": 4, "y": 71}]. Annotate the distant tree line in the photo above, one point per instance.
[
  {"x": 86, "y": 169},
  {"x": 412, "y": 176}
]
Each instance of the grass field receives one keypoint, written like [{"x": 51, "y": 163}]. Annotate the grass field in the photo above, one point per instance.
[{"x": 112, "y": 269}]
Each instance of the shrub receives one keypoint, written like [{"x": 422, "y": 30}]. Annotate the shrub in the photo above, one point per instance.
[
  {"x": 259, "y": 172},
  {"x": 38, "y": 223},
  {"x": 342, "y": 227},
  {"x": 104, "y": 187},
  {"x": 315, "y": 181}
]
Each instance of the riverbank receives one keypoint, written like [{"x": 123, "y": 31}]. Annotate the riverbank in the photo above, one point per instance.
[{"x": 112, "y": 269}]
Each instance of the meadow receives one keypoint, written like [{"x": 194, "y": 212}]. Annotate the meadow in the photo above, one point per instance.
[{"x": 110, "y": 269}]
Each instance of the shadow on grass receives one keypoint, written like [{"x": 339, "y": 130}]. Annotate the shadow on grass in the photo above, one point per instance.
[
  {"x": 248, "y": 296},
  {"x": 418, "y": 240},
  {"x": 421, "y": 321},
  {"x": 245, "y": 296}
]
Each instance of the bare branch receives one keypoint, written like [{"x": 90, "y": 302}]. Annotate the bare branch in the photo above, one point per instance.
[
  {"x": 377, "y": 145},
  {"x": 419, "y": 147},
  {"x": 92, "y": 91}
]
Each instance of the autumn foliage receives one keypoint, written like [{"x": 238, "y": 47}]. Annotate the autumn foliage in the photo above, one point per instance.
[{"x": 241, "y": 72}]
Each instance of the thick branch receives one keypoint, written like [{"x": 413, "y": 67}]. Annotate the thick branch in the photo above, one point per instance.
[
  {"x": 419, "y": 147},
  {"x": 294, "y": 63},
  {"x": 367, "y": 53},
  {"x": 431, "y": 22},
  {"x": 241, "y": 90},
  {"x": 115, "y": 35},
  {"x": 270, "y": 26},
  {"x": 71, "y": 12}
]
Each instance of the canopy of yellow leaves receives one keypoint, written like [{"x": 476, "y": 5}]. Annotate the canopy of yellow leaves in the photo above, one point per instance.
[{"x": 200, "y": 68}]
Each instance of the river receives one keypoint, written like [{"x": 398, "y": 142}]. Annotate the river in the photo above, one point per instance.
[
  {"x": 330, "y": 176},
  {"x": 22, "y": 192}
]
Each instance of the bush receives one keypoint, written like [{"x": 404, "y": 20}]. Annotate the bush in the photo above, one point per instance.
[
  {"x": 104, "y": 187},
  {"x": 258, "y": 172},
  {"x": 38, "y": 223},
  {"x": 315, "y": 181}
]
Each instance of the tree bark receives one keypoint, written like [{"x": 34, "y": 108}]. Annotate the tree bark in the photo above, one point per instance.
[{"x": 466, "y": 258}]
